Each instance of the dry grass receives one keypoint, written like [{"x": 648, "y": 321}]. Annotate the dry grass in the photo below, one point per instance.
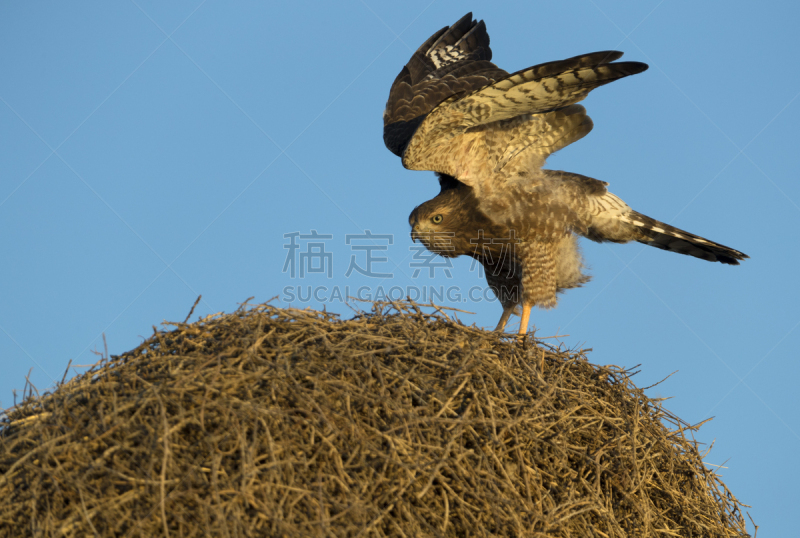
[{"x": 282, "y": 422}]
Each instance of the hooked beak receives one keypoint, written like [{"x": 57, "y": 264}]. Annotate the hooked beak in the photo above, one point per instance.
[{"x": 414, "y": 222}]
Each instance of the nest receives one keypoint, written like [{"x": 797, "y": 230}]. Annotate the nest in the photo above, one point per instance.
[{"x": 398, "y": 422}]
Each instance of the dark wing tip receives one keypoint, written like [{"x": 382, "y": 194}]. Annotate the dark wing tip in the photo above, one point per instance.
[
  {"x": 637, "y": 67},
  {"x": 607, "y": 56},
  {"x": 734, "y": 259},
  {"x": 467, "y": 17},
  {"x": 628, "y": 68}
]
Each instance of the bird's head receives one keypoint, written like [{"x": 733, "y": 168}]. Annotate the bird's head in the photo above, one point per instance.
[
  {"x": 452, "y": 224},
  {"x": 437, "y": 222}
]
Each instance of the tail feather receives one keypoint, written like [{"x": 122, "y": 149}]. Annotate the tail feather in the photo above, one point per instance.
[{"x": 660, "y": 235}]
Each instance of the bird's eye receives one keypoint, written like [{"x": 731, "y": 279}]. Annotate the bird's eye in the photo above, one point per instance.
[{"x": 437, "y": 219}]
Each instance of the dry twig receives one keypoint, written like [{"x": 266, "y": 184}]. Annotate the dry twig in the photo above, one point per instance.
[{"x": 284, "y": 422}]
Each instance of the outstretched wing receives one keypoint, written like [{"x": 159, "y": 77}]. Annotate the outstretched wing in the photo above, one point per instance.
[
  {"x": 524, "y": 142},
  {"x": 471, "y": 136},
  {"x": 451, "y": 110},
  {"x": 453, "y": 61}
]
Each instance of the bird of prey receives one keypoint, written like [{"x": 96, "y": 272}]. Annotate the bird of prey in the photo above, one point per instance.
[{"x": 486, "y": 133}]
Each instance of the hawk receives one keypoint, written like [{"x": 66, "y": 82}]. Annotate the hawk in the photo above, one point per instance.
[{"x": 486, "y": 134}]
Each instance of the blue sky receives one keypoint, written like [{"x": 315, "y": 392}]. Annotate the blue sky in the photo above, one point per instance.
[{"x": 151, "y": 152}]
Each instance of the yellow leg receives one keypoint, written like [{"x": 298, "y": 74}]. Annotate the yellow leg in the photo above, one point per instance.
[
  {"x": 507, "y": 311},
  {"x": 526, "y": 317}
]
